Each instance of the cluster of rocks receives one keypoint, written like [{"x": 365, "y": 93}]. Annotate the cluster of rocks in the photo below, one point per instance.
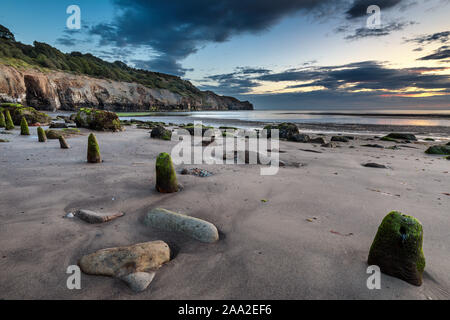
[
  {"x": 136, "y": 265},
  {"x": 290, "y": 132},
  {"x": 17, "y": 112}
]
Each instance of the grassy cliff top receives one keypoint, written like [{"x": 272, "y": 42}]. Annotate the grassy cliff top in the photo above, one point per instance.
[{"x": 45, "y": 57}]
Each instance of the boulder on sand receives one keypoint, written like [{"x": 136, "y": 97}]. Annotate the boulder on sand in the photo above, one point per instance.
[
  {"x": 166, "y": 178},
  {"x": 287, "y": 131},
  {"x": 99, "y": 120},
  {"x": 339, "y": 139},
  {"x": 442, "y": 150},
  {"x": 192, "y": 227},
  {"x": 402, "y": 136},
  {"x": 94, "y": 217},
  {"x": 318, "y": 140},
  {"x": 121, "y": 261},
  {"x": 160, "y": 132},
  {"x": 397, "y": 248}
]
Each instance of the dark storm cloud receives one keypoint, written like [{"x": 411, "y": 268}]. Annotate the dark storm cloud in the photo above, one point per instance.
[
  {"x": 359, "y": 7},
  {"x": 239, "y": 82},
  {"x": 341, "y": 100},
  {"x": 254, "y": 70},
  {"x": 440, "y": 54},
  {"x": 338, "y": 86},
  {"x": 379, "y": 32},
  {"x": 441, "y": 37},
  {"x": 175, "y": 29},
  {"x": 363, "y": 75}
]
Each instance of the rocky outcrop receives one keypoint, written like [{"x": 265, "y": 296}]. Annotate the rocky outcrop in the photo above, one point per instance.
[{"x": 56, "y": 90}]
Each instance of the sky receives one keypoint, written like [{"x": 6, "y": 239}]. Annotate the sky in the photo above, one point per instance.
[{"x": 284, "y": 54}]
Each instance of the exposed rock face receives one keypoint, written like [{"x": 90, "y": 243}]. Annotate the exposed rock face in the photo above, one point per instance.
[{"x": 64, "y": 91}]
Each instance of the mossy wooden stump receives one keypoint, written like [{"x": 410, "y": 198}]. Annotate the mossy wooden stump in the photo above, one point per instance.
[
  {"x": 63, "y": 143},
  {"x": 397, "y": 248},
  {"x": 9, "y": 122},
  {"x": 166, "y": 178},
  {"x": 93, "y": 152},
  {"x": 42, "y": 137},
  {"x": 24, "y": 130},
  {"x": 2, "y": 120}
]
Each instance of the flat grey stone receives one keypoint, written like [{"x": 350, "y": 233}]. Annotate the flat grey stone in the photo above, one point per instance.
[
  {"x": 172, "y": 221},
  {"x": 94, "y": 217}
]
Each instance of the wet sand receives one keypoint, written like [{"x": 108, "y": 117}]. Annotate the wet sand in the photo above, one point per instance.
[{"x": 267, "y": 250}]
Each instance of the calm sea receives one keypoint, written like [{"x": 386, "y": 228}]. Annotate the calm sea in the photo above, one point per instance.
[{"x": 259, "y": 117}]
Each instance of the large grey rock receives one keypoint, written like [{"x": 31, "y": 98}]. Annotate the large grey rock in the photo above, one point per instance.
[
  {"x": 172, "y": 221},
  {"x": 138, "y": 281},
  {"x": 94, "y": 217},
  {"x": 121, "y": 261}
]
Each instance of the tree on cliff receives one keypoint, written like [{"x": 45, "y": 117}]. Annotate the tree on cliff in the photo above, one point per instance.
[{"x": 6, "y": 34}]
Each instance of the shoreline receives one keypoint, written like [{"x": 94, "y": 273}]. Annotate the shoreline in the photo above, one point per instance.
[{"x": 316, "y": 127}]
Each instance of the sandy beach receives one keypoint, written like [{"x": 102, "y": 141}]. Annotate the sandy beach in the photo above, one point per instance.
[{"x": 308, "y": 239}]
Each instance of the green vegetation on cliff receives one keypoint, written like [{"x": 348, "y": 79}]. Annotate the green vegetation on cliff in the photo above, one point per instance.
[{"x": 44, "y": 56}]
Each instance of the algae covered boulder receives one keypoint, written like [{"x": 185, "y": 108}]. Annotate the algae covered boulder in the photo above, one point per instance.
[
  {"x": 166, "y": 178},
  {"x": 401, "y": 136},
  {"x": 442, "y": 150},
  {"x": 18, "y": 112},
  {"x": 161, "y": 133},
  {"x": 93, "y": 151},
  {"x": 397, "y": 248},
  {"x": 192, "y": 129},
  {"x": 99, "y": 120},
  {"x": 2, "y": 120},
  {"x": 42, "y": 137},
  {"x": 9, "y": 122},
  {"x": 24, "y": 130},
  {"x": 288, "y": 131}
]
